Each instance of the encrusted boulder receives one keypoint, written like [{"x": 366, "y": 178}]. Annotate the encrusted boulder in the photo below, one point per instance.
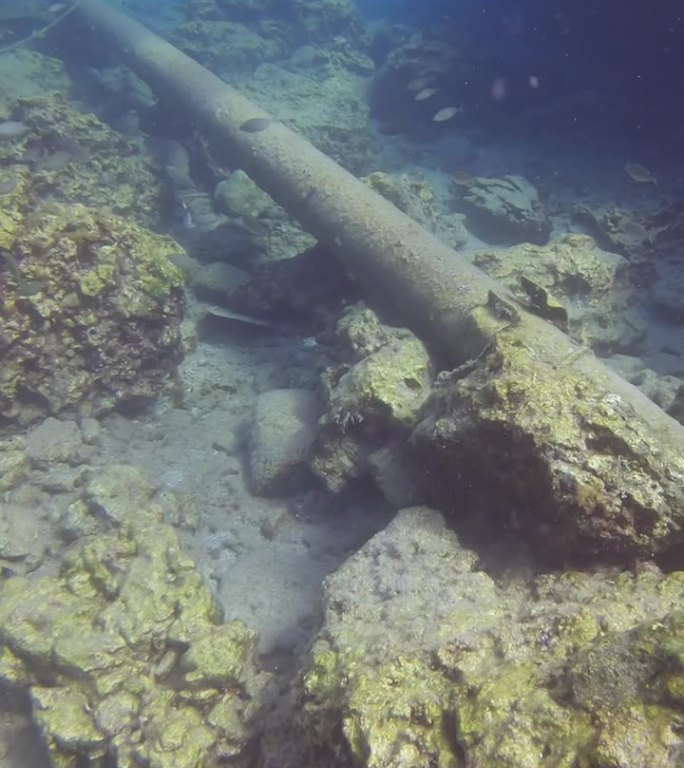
[
  {"x": 76, "y": 158},
  {"x": 579, "y": 477},
  {"x": 426, "y": 660},
  {"x": 90, "y": 316},
  {"x": 125, "y": 658},
  {"x": 573, "y": 282},
  {"x": 376, "y": 394}
]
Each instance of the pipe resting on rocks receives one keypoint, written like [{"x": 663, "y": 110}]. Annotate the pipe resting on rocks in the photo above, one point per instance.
[{"x": 591, "y": 459}]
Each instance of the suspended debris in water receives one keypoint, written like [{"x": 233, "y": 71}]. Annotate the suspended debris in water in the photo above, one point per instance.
[
  {"x": 425, "y": 94},
  {"x": 638, "y": 173},
  {"x": 446, "y": 113},
  {"x": 256, "y": 124}
]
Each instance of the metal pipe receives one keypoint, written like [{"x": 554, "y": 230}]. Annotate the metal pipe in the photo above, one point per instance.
[{"x": 430, "y": 287}]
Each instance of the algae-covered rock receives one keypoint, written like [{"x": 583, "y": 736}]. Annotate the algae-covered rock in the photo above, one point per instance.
[
  {"x": 416, "y": 197},
  {"x": 76, "y": 158},
  {"x": 125, "y": 657},
  {"x": 424, "y": 660},
  {"x": 294, "y": 22},
  {"x": 580, "y": 475},
  {"x": 505, "y": 210},
  {"x": 225, "y": 45},
  {"x": 615, "y": 229},
  {"x": 117, "y": 490},
  {"x": 377, "y": 393},
  {"x": 388, "y": 381},
  {"x": 90, "y": 314},
  {"x": 590, "y": 285},
  {"x": 388, "y": 386},
  {"x": 14, "y": 463},
  {"x": 238, "y": 195}
]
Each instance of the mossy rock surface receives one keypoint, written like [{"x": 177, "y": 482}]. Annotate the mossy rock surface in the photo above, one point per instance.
[
  {"x": 75, "y": 158},
  {"x": 425, "y": 660},
  {"x": 125, "y": 658},
  {"x": 90, "y": 316}
]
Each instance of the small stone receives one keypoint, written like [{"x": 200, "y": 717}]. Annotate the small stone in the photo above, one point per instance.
[
  {"x": 119, "y": 491},
  {"x": 54, "y": 441},
  {"x": 283, "y": 431},
  {"x": 13, "y": 468},
  {"x": 238, "y": 195}
]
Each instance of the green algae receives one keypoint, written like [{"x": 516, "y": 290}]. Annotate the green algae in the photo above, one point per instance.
[
  {"x": 124, "y": 650},
  {"x": 588, "y": 479},
  {"x": 76, "y": 158},
  {"x": 104, "y": 324},
  {"x": 570, "y": 670}
]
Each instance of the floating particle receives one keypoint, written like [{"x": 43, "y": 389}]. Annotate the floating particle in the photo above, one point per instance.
[
  {"x": 498, "y": 90},
  {"x": 533, "y": 82},
  {"x": 256, "y": 124}
]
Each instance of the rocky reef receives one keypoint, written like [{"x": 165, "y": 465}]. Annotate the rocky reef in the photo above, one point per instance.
[
  {"x": 304, "y": 61},
  {"x": 572, "y": 282},
  {"x": 91, "y": 310},
  {"x": 75, "y": 158},
  {"x": 123, "y": 652},
  {"x": 425, "y": 659},
  {"x": 239, "y": 34},
  {"x": 506, "y": 210}
]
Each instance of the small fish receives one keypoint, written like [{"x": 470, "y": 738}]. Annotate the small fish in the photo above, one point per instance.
[
  {"x": 425, "y": 94},
  {"x": 462, "y": 178},
  {"x": 240, "y": 318},
  {"x": 446, "y": 113},
  {"x": 640, "y": 174},
  {"x": 418, "y": 83},
  {"x": 256, "y": 124}
]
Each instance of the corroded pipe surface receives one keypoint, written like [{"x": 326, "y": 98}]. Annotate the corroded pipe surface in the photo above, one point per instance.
[{"x": 447, "y": 301}]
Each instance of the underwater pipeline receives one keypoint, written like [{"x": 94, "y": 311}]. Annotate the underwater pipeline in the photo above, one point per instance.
[{"x": 594, "y": 440}]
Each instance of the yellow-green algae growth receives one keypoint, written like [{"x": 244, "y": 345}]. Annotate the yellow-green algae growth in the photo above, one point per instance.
[
  {"x": 586, "y": 476},
  {"x": 90, "y": 315},
  {"x": 76, "y": 158},
  {"x": 424, "y": 660},
  {"x": 124, "y": 655}
]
